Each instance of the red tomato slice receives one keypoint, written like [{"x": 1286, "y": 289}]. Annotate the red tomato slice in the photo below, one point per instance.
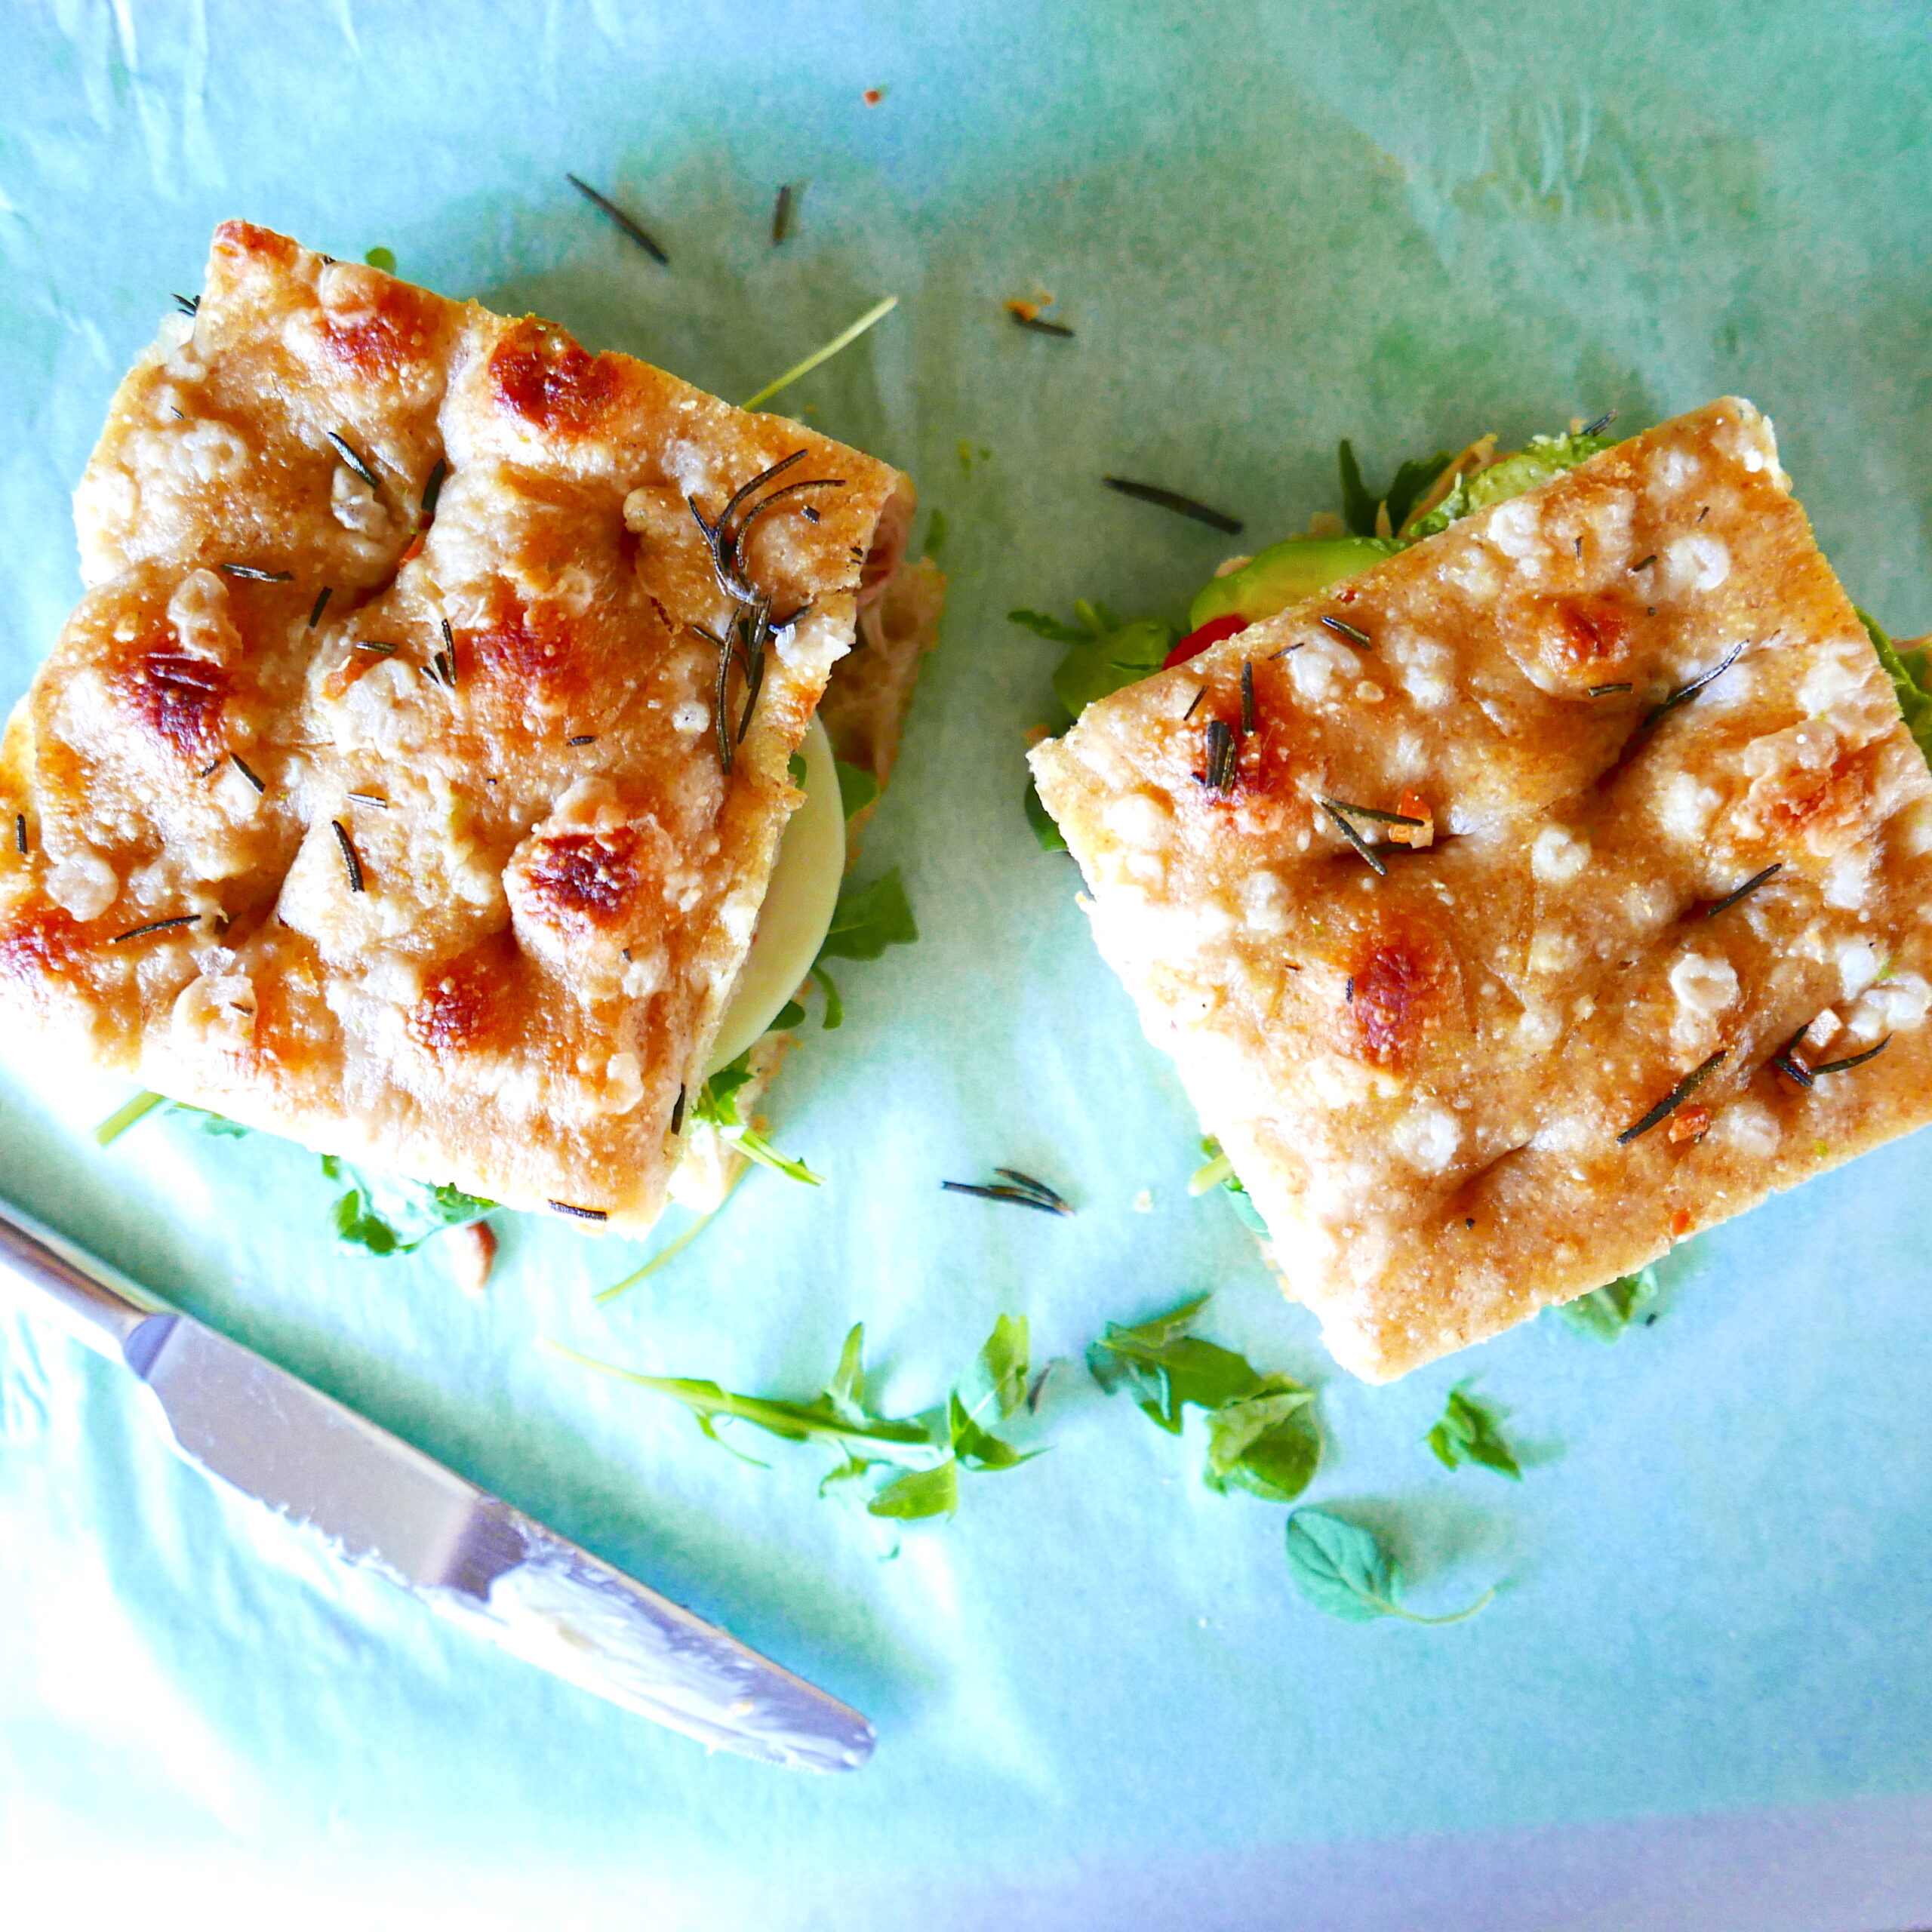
[{"x": 1195, "y": 642}]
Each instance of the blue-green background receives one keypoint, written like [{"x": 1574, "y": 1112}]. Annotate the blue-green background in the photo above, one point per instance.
[{"x": 1270, "y": 226}]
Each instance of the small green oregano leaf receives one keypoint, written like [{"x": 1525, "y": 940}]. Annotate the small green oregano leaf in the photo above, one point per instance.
[
  {"x": 1469, "y": 1432},
  {"x": 1004, "y": 1361},
  {"x": 1347, "y": 1571},
  {"x": 1605, "y": 1313},
  {"x": 1265, "y": 1443},
  {"x": 919, "y": 1494}
]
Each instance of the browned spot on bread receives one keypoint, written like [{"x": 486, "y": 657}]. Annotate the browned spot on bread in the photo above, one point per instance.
[
  {"x": 553, "y": 384},
  {"x": 1595, "y": 633},
  {"x": 592, "y": 876},
  {"x": 242, "y": 240},
  {"x": 1402, "y": 977},
  {"x": 179, "y": 697},
  {"x": 521, "y": 645},
  {"x": 379, "y": 341},
  {"x": 41, "y": 944},
  {"x": 1822, "y": 804},
  {"x": 463, "y": 1001}
]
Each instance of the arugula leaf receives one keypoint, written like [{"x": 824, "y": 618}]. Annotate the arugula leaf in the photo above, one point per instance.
[
  {"x": 936, "y": 535},
  {"x": 1347, "y": 1571},
  {"x": 795, "y": 768},
  {"x": 717, "y": 1104},
  {"x": 835, "y": 1006},
  {"x": 1166, "y": 1368},
  {"x": 1909, "y": 674},
  {"x": 1112, "y": 660},
  {"x": 918, "y": 1493},
  {"x": 1360, "y": 503},
  {"x": 1411, "y": 484},
  {"x": 1540, "y": 460},
  {"x": 1051, "y": 839},
  {"x": 857, "y": 788},
  {"x": 979, "y": 1448},
  {"x": 788, "y": 1015},
  {"x": 836, "y": 1414},
  {"x": 1051, "y": 629},
  {"x": 385, "y": 1215},
  {"x": 1003, "y": 1360},
  {"x": 1265, "y": 1443},
  {"x": 1605, "y": 1313},
  {"x": 1468, "y": 1433},
  {"x": 868, "y": 919}
]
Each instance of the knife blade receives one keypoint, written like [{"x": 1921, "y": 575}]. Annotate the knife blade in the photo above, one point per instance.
[{"x": 468, "y": 1555}]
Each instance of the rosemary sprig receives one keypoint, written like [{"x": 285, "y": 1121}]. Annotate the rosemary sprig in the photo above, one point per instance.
[
  {"x": 1675, "y": 1098},
  {"x": 1354, "y": 838},
  {"x": 1688, "y": 691},
  {"x": 1361, "y": 639},
  {"x": 631, "y": 227},
  {"x": 1856, "y": 1060},
  {"x": 1039, "y": 1187},
  {"x": 844, "y": 339},
  {"x": 351, "y": 863},
  {"x": 188, "y": 304},
  {"x": 1170, "y": 500},
  {"x": 1019, "y": 1196},
  {"x": 155, "y": 926},
  {"x": 250, "y": 574},
  {"x": 1745, "y": 890},
  {"x": 578, "y": 1213},
  {"x": 347, "y": 451}
]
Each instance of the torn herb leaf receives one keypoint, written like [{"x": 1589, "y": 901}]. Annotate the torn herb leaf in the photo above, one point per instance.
[
  {"x": 1112, "y": 660},
  {"x": 979, "y": 1448},
  {"x": 1348, "y": 1572},
  {"x": 381, "y": 258},
  {"x": 717, "y": 1104},
  {"x": 788, "y": 1015},
  {"x": 857, "y": 788},
  {"x": 385, "y": 1215},
  {"x": 835, "y": 1006},
  {"x": 1469, "y": 1432},
  {"x": 1605, "y": 1313},
  {"x": 1045, "y": 831},
  {"x": 1166, "y": 1368},
  {"x": 1003, "y": 1360},
  {"x": 919, "y": 1494},
  {"x": 1051, "y": 629},
  {"x": 867, "y": 919},
  {"x": 1265, "y": 1443}
]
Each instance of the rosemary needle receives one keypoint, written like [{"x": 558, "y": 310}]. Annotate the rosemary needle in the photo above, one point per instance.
[
  {"x": 1172, "y": 500},
  {"x": 630, "y": 226}
]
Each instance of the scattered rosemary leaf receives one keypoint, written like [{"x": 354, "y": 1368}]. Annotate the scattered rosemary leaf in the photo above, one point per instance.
[
  {"x": 1194, "y": 704},
  {"x": 1643, "y": 563},
  {"x": 348, "y": 454},
  {"x": 321, "y": 604},
  {"x": 677, "y": 1105},
  {"x": 1354, "y": 838},
  {"x": 781, "y": 213},
  {"x": 583, "y": 738},
  {"x": 188, "y": 304},
  {"x": 1468, "y": 1433},
  {"x": 1604, "y": 690},
  {"x": 433, "y": 490},
  {"x": 578, "y": 1213},
  {"x": 844, "y": 339},
  {"x": 351, "y": 864},
  {"x": 1220, "y": 775},
  {"x": 1360, "y": 638},
  {"x": 241, "y": 765},
  {"x": 1038, "y": 1187},
  {"x": 250, "y": 574},
  {"x": 1745, "y": 890},
  {"x": 1856, "y": 1060},
  {"x": 20, "y": 833},
  {"x": 1675, "y": 1098},
  {"x": 1372, "y": 812},
  {"x": 367, "y": 799},
  {"x": 1172, "y": 500},
  {"x": 630, "y": 226},
  {"x": 155, "y": 926},
  {"x": 371, "y": 643},
  {"x": 1019, "y": 1196},
  {"x": 1602, "y": 423},
  {"x": 1346, "y": 1571},
  {"x": 1691, "y": 690},
  {"x": 1247, "y": 697},
  {"x": 209, "y": 769},
  {"x": 1040, "y": 325}
]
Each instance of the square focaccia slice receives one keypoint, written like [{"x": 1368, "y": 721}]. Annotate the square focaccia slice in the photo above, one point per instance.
[
  {"x": 409, "y": 778},
  {"x": 1553, "y": 891}
]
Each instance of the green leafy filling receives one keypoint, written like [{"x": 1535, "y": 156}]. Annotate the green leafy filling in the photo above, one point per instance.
[
  {"x": 1348, "y": 1571},
  {"x": 1262, "y": 1435},
  {"x": 867, "y": 919},
  {"x": 1911, "y": 673},
  {"x": 384, "y": 1215},
  {"x": 717, "y": 1104}
]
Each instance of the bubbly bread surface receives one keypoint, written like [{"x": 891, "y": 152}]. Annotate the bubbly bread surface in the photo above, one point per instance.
[
  {"x": 1465, "y": 1079},
  {"x": 377, "y": 792}
]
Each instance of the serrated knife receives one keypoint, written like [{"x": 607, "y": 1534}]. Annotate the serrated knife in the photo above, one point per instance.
[{"x": 470, "y": 1556}]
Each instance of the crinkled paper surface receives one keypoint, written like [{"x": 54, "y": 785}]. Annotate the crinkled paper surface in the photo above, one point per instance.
[{"x": 1099, "y": 1701}]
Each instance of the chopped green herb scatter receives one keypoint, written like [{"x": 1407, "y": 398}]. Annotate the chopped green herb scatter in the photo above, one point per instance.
[
  {"x": 1347, "y": 1571},
  {"x": 1469, "y": 1432},
  {"x": 1605, "y": 1313}
]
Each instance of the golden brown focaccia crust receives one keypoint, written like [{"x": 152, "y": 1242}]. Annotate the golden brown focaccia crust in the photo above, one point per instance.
[
  {"x": 464, "y": 885},
  {"x": 1428, "y": 1080}
]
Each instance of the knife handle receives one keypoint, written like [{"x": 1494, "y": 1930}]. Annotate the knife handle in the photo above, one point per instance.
[{"x": 94, "y": 1312}]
